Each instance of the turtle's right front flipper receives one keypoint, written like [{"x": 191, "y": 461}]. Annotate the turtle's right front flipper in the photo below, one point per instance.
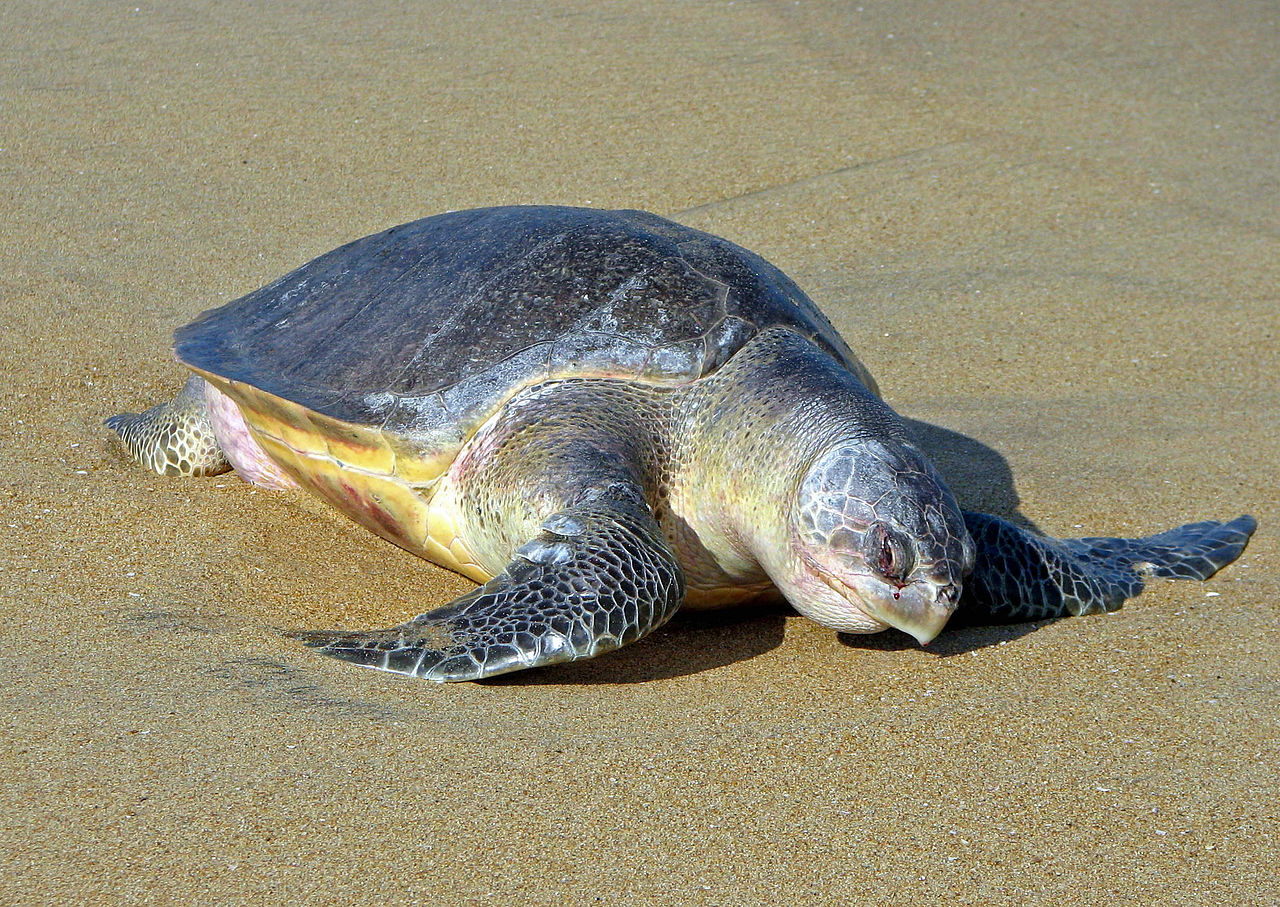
[
  {"x": 598, "y": 576},
  {"x": 1021, "y": 576}
]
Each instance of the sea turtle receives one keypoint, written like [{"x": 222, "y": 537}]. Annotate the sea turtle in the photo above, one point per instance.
[{"x": 601, "y": 416}]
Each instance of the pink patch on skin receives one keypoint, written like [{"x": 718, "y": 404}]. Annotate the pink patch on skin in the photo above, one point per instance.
[
  {"x": 380, "y": 520},
  {"x": 247, "y": 457}
]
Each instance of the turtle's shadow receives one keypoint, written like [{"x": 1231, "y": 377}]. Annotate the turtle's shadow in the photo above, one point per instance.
[
  {"x": 978, "y": 475},
  {"x": 699, "y": 641},
  {"x": 694, "y": 641},
  {"x": 952, "y": 641}
]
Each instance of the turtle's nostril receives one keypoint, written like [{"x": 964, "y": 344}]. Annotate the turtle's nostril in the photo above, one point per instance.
[{"x": 947, "y": 595}]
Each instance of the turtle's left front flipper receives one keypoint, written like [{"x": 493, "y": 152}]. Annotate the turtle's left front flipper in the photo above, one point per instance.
[
  {"x": 598, "y": 576},
  {"x": 1020, "y": 576}
]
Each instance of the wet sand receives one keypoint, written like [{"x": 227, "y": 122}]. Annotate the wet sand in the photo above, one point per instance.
[{"x": 1052, "y": 233}]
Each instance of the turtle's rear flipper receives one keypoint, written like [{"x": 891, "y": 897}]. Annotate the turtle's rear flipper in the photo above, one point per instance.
[
  {"x": 1021, "y": 576},
  {"x": 598, "y": 576},
  {"x": 174, "y": 438}
]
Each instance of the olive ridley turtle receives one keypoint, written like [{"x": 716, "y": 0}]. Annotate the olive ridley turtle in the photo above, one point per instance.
[{"x": 601, "y": 416}]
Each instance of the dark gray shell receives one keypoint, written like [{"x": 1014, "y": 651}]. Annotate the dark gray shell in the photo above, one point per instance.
[{"x": 430, "y": 325}]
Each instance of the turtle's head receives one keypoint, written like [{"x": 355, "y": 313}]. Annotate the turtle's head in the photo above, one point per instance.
[{"x": 877, "y": 541}]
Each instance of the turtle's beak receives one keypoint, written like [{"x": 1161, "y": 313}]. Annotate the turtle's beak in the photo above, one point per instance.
[{"x": 920, "y": 609}]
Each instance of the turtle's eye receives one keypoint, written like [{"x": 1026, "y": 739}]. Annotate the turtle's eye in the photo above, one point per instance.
[{"x": 887, "y": 554}]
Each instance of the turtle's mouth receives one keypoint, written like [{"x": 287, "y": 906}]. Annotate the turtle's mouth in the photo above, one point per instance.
[
  {"x": 854, "y": 596},
  {"x": 919, "y": 608}
]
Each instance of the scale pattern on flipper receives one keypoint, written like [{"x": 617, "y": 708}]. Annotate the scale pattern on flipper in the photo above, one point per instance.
[
  {"x": 174, "y": 438},
  {"x": 598, "y": 576},
  {"x": 1193, "y": 551},
  {"x": 1022, "y": 576}
]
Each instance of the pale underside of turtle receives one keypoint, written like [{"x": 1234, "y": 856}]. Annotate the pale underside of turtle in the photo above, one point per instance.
[{"x": 601, "y": 416}]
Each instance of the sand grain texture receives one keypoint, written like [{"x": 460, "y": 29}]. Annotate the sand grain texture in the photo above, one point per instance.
[{"x": 1052, "y": 232}]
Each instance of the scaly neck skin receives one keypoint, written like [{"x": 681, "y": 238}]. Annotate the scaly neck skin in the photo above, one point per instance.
[{"x": 760, "y": 423}]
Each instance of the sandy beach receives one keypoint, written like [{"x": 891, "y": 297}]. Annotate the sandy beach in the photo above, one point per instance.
[{"x": 1051, "y": 231}]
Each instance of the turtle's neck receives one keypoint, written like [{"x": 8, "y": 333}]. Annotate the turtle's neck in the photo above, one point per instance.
[{"x": 750, "y": 433}]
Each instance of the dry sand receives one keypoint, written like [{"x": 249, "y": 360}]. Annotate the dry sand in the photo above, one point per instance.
[{"x": 1051, "y": 229}]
